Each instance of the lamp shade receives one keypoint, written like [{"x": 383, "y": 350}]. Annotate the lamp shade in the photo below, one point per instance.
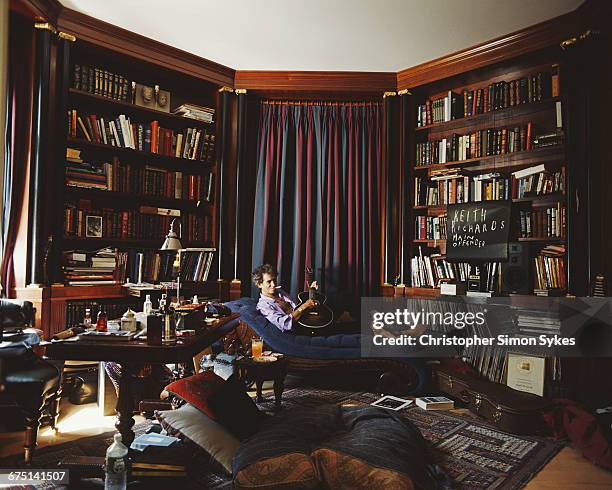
[{"x": 172, "y": 241}]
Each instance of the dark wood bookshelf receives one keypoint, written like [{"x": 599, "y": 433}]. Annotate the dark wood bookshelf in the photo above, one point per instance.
[
  {"x": 541, "y": 114},
  {"x": 133, "y": 108},
  {"x": 176, "y": 163},
  {"x": 123, "y": 198},
  {"x": 489, "y": 117}
]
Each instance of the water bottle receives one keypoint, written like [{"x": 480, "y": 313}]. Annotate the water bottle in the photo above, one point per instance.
[{"x": 115, "y": 466}]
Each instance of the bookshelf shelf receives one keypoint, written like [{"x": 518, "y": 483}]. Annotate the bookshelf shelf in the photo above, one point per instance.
[
  {"x": 489, "y": 117},
  {"x": 125, "y": 242},
  {"x": 541, "y": 239},
  {"x": 430, "y": 243},
  {"x": 122, "y": 197},
  {"x": 128, "y": 107},
  {"x": 542, "y": 198},
  {"x": 178, "y": 163},
  {"x": 505, "y": 160}
]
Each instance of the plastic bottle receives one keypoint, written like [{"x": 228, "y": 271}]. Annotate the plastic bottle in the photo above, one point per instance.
[
  {"x": 115, "y": 466},
  {"x": 87, "y": 318},
  {"x": 101, "y": 323},
  {"x": 147, "y": 305},
  {"x": 195, "y": 300}
]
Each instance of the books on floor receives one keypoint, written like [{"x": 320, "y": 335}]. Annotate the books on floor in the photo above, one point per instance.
[{"x": 435, "y": 403}]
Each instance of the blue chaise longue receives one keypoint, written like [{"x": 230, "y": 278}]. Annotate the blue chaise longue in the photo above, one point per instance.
[{"x": 335, "y": 352}]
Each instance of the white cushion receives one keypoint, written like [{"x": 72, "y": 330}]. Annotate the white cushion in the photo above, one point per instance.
[{"x": 201, "y": 430}]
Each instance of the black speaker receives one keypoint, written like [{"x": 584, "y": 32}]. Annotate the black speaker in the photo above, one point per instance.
[{"x": 516, "y": 274}]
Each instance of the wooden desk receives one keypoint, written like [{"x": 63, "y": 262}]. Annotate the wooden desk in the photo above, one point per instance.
[{"x": 129, "y": 353}]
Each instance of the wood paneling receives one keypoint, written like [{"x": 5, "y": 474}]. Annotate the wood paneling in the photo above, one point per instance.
[
  {"x": 527, "y": 40},
  {"x": 129, "y": 43},
  {"x": 316, "y": 81}
]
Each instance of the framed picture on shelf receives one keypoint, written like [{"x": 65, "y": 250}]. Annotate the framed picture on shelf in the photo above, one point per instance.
[{"x": 93, "y": 226}]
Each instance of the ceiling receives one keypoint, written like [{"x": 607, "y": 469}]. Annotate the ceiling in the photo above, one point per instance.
[{"x": 337, "y": 35}]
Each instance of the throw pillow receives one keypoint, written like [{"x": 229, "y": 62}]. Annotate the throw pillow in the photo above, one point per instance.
[
  {"x": 197, "y": 390},
  {"x": 233, "y": 408},
  {"x": 205, "y": 435}
]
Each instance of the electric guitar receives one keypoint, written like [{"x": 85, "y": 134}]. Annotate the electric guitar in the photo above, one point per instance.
[{"x": 320, "y": 316}]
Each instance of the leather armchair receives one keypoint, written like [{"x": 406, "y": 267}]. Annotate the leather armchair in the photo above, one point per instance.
[{"x": 26, "y": 380}]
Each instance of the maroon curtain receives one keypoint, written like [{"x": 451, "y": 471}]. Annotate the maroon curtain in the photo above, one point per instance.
[
  {"x": 317, "y": 202},
  {"x": 18, "y": 138}
]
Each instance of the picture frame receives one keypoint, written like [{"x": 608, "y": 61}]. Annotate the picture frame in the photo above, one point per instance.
[
  {"x": 391, "y": 403},
  {"x": 526, "y": 372},
  {"x": 93, "y": 226}
]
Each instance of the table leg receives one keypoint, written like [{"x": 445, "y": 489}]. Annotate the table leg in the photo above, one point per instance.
[
  {"x": 279, "y": 386},
  {"x": 259, "y": 384},
  {"x": 125, "y": 405}
]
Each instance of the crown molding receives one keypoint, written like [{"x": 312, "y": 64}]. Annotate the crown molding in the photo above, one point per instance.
[
  {"x": 313, "y": 81},
  {"x": 533, "y": 38}
]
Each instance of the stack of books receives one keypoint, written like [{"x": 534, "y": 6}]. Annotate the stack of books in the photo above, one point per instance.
[
  {"x": 83, "y": 174},
  {"x": 193, "y": 111},
  {"x": 91, "y": 269}
]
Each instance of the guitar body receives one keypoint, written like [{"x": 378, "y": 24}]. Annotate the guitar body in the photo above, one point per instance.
[{"x": 318, "y": 317}]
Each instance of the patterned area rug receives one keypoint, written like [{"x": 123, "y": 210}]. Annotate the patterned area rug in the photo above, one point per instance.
[{"x": 475, "y": 455}]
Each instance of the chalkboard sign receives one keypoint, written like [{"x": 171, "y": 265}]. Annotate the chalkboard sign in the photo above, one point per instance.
[{"x": 478, "y": 231}]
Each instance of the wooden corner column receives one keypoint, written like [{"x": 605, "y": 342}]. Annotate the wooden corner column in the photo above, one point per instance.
[
  {"x": 390, "y": 182},
  {"x": 241, "y": 95},
  {"x": 40, "y": 150},
  {"x": 223, "y": 162}
]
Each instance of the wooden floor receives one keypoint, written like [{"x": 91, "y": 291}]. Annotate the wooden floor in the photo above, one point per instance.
[{"x": 567, "y": 471}]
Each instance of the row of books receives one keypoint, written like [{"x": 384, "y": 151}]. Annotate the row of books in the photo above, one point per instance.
[
  {"x": 160, "y": 265},
  {"x": 427, "y": 271},
  {"x": 495, "y": 96},
  {"x": 430, "y": 227},
  {"x": 195, "y": 264},
  {"x": 538, "y": 183},
  {"x": 102, "y": 82},
  {"x": 481, "y": 143},
  {"x": 191, "y": 143},
  {"x": 147, "y": 223},
  {"x": 91, "y": 268},
  {"x": 543, "y": 223},
  {"x": 147, "y": 181},
  {"x": 114, "y": 309},
  {"x": 549, "y": 272},
  {"x": 455, "y": 187}
]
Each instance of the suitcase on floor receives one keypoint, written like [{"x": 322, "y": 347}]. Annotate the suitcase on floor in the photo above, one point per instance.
[{"x": 507, "y": 409}]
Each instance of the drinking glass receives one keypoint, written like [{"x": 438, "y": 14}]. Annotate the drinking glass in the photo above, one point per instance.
[{"x": 256, "y": 346}]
